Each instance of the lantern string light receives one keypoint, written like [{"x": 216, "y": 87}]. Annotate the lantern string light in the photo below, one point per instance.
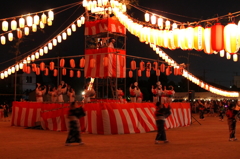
[{"x": 45, "y": 45}]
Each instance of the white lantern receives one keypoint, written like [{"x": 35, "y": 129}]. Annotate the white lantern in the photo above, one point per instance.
[
  {"x": 5, "y": 25},
  {"x": 54, "y": 42},
  {"x": 59, "y": 38},
  {"x": 34, "y": 28},
  {"x": 147, "y": 17},
  {"x": 69, "y": 32},
  {"x": 14, "y": 24},
  {"x": 230, "y": 38},
  {"x": 10, "y": 36},
  {"x": 64, "y": 36},
  {"x": 44, "y": 18},
  {"x": 29, "y": 21},
  {"x": 50, "y": 46},
  {"x": 36, "y": 19},
  {"x": 41, "y": 52},
  {"x": 3, "y": 40},
  {"x": 45, "y": 49},
  {"x": 51, "y": 15},
  {"x": 26, "y": 31},
  {"x": 21, "y": 22},
  {"x": 73, "y": 27}
]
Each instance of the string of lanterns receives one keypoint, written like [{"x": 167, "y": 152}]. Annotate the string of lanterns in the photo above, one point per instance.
[
  {"x": 135, "y": 29},
  {"x": 44, "y": 48},
  {"x": 155, "y": 66}
]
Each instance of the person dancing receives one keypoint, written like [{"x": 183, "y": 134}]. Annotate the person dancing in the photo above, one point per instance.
[
  {"x": 74, "y": 130},
  {"x": 161, "y": 113}
]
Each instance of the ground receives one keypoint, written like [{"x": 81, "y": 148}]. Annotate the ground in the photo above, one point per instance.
[{"x": 208, "y": 140}]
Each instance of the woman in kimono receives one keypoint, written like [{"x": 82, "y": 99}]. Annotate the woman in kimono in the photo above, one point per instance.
[
  {"x": 74, "y": 130},
  {"x": 60, "y": 91},
  {"x": 53, "y": 94}
]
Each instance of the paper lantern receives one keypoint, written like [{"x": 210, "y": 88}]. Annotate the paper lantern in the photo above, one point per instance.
[
  {"x": 4, "y": 25},
  {"x": 19, "y": 33},
  {"x": 6, "y": 74},
  {"x": 36, "y": 19},
  {"x": 10, "y": 36},
  {"x": 147, "y": 17},
  {"x": 148, "y": 66},
  {"x": 37, "y": 71},
  {"x": 155, "y": 66},
  {"x": 37, "y": 55},
  {"x": 105, "y": 61},
  {"x": 72, "y": 63},
  {"x": 180, "y": 71},
  {"x": 168, "y": 71},
  {"x": 62, "y": 63},
  {"x": 78, "y": 74},
  {"x": 9, "y": 71},
  {"x": 162, "y": 68},
  {"x": 51, "y": 15},
  {"x": 29, "y": 21},
  {"x": 50, "y": 46},
  {"x": 235, "y": 57},
  {"x": 148, "y": 73},
  {"x": 71, "y": 73},
  {"x": 79, "y": 23},
  {"x": 2, "y": 75},
  {"x": 182, "y": 38},
  {"x": 73, "y": 27},
  {"x": 207, "y": 41},
  {"x": 198, "y": 38},
  {"x": 51, "y": 65},
  {"x": 54, "y": 42},
  {"x": 230, "y": 38},
  {"x": 82, "y": 19},
  {"x": 217, "y": 39},
  {"x": 41, "y": 52},
  {"x": 44, "y": 18},
  {"x": 133, "y": 65},
  {"x": 3, "y": 40},
  {"x": 160, "y": 23},
  {"x": 21, "y": 65},
  {"x": 46, "y": 72},
  {"x": 130, "y": 74},
  {"x": 153, "y": 19},
  {"x": 17, "y": 67},
  {"x": 34, "y": 28},
  {"x": 25, "y": 68},
  {"x": 21, "y": 22},
  {"x": 34, "y": 66},
  {"x": 45, "y": 49},
  {"x": 28, "y": 70},
  {"x": 158, "y": 72},
  {"x": 64, "y": 71},
  {"x": 14, "y": 24},
  {"x": 82, "y": 62},
  {"x": 42, "y": 25},
  {"x": 176, "y": 38},
  {"x": 42, "y": 66},
  {"x": 26, "y": 31},
  {"x": 142, "y": 66},
  {"x": 92, "y": 63},
  {"x": 189, "y": 38},
  {"x": 139, "y": 73},
  {"x": 13, "y": 69},
  {"x": 64, "y": 36},
  {"x": 176, "y": 71},
  {"x": 69, "y": 31},
  {"x": 55, "y": 72}
]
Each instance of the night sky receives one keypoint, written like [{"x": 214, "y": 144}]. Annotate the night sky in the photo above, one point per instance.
[{"x": 217, "y": 69}]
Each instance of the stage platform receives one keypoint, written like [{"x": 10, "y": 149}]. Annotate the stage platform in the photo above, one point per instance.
[{"x": 102, "y": 118}]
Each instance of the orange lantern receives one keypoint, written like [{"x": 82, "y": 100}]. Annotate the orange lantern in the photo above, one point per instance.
[
  {"x": 71, "y": 73},
  {"x": 230, "y": 38},
  {"x": 55, "y": 72},
  {"x": 78, "y": 74},
  {"x": 139, "y": 73},
  {"x": 168, "y": 71},
  {"x": 180, "y": 71},
  {"x": 217, "y": 40},
  {"x": 19, "y": 33},
  {"x": 105, "y": 61},
  {"x": 82, "y": 62},
  {"x": 158, "y": 72},
  {"x": 133, "y": 65},
  {"x": 34, "y": 66},
  {"x": 46, "y": 72},
  {"x": 149, "y": 66},
  {"x": 51, "y": 65},
  {"x": 198, "y": 38},
  {"x": 122, "y": 62},
  {"x": 28, "y": 70},
  {"x": 155, "y": 66},
  {"x": 148, "y": 73},
  {"x": 62, "y": 63},
  {"x": 130, "y": 74},
  {"x": 37, "y": 71},
  {"x": 92, "y": 63},
  {"x": 64, "y": 71},
  {"x": 162, "y": 67},
  {"x": 142, "y": 66},
  {"x": 72, "y": 63},
  {"x": 42, "y": 66},
  {"x": 25, "y": 68},
  {"x": 176, "y": 71}
]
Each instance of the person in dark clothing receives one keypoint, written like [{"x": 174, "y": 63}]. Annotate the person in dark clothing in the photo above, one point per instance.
[
  {"x": 161, "y": 113},
  {"x": 231, "y": 115},
  {"x": 74, "y": 131},
  {"x": 221, "y": 109}
]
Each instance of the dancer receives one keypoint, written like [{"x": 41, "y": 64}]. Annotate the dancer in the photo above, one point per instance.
[
  {"x": 164, "y": 98},
  {"x": 40, "y": 92},
  {"x": 120, "y": 95},
  {"x": 170, "y": 94},
  {"x": 71, "y": 94},
  {"x": 155, "y": 95},
  {"x": 159, "y": 91},
  {"x": 139, "y": 96},
  {"x": 53, "y": 94},
  {"x": 74, "y": 131},
  {"x": 133, "y": 92},
  {"x": 62, "y": 88},
  {"x": 161, "y": 113},
  {"x": 231, "y": 115}
]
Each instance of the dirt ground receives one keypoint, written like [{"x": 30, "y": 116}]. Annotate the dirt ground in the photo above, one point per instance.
[{"x": 209, "y": 140}]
